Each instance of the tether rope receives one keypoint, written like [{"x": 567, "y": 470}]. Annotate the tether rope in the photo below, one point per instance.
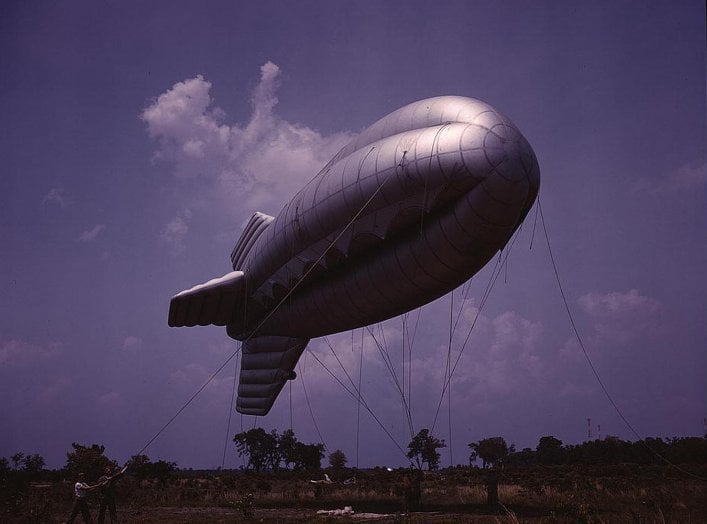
[
  {"x": 309, "y": 405},
  {"x": 487, "y": 291},
  {"x": 179, "y": 411},
  {"x": 230, "y": 412},
  {"x": 595, "y": 372},
  {"x": 362, "y": 402},
  {"x": 358, "y": 404},
  {"x": 391, "y": 371},
  {"x": 270, "y": 314}
]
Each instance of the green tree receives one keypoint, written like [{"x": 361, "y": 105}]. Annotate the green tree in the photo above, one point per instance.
[
  {"x": 492, "y": 451},
  {"x": 18, "y": 459},
  {"x": 423, "y": 448},
  {"x": 337, "y": 460},
  {"x": 143, "y": 468},
  {"x": 33, "y": 464},
  {"x": 309, "y": 456},
  {"x": 259, "y": 447},
  {"x": 287, "y": 447},
  {"x": 89, "y": 460},
  {"x": 550, "y": 451}
]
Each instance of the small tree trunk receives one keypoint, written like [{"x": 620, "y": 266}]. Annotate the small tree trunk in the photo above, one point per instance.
[{"x": 492, "y": 490}]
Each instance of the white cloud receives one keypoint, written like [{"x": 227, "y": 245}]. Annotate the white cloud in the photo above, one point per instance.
[
  {"x": 615, "y": 303},
  {"x": 57, "y": 196},
  {"x": 91, "y": 234},
  {"x": 262, "y": 162},
  {"x": 620, "y": 316},
  {"x": 175, "y": 232},
  {"x": 49, "y": 393},
  {"x": 132, "y": 343},
  {"x": 112, "y": 398},
  {"x": 21, "y": 353},
  {"x": 690, "y": 176}
]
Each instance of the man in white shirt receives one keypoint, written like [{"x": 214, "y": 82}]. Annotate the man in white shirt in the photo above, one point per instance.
[{"x": 81, "y": 490}]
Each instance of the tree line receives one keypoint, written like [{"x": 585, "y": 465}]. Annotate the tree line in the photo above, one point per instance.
[
  {"x": 550, "y": 451},
  {"x": 87, "y": 459},
  {"x": 273, "y": 451}
]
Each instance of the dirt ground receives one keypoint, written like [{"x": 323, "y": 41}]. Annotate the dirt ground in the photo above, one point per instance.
[
  {"x": 216, "y": 515},
  {"x": 293, "y": 515}
]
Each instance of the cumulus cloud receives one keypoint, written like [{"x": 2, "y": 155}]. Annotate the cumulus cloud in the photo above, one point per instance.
[
  {"x": 690, "y": 176},
  {"x": 174, "y": 233},
  {"x": 132, "y": 343},
  {"x": 56, "y": 196},
  {"x": 620, "y": 316},
  {"x": 18, "y": 352},
  {"x": 616, "y": 304},
  {"x": 91, "y": 234},
  {"x": 110, "y": 399},
  {"x": 190, "y": 374},
  {"x": 263, "y": 161},
  {"x": 49, "y": 393}
]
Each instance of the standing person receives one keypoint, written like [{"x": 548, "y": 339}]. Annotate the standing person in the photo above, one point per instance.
[
  {"x": 81, "y": 490},
  {"x": 107, "y": 485}
]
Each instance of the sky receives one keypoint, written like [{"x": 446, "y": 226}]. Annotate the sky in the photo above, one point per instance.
[{"x": 137, "y": 138}]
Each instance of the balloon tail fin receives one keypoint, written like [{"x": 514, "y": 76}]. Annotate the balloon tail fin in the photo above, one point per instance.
[{"x": 267, "y": 363}]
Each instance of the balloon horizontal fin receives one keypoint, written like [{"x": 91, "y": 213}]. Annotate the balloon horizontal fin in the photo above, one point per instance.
[{"x": 267, "y": 364}]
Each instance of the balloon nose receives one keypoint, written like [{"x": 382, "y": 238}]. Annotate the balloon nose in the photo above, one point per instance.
[{"x": 508, "y": 153}]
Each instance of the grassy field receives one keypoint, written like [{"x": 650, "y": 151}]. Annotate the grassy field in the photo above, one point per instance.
[{"x": 609, "y": 494}]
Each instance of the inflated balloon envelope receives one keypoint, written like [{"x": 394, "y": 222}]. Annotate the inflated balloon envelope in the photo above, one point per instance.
[{"x": 409, "y": 210}]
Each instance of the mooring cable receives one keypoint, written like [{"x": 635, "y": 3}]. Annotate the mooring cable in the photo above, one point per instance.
[{"x": 595, "y": 372}]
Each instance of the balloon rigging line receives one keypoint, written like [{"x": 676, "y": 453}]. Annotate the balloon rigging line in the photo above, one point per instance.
[
  {"x": 358, "y": 404},
  {"x": 208, "y": 381},
  {"x": 411, "y": 342},
  {"x": 271, "y": 313},
  {"x": 290, "y": 404},
  {"x": 309, "y": 405},
  {"x": 473, "y": 324},
  {"x": 341, "y": 365},
  {"x": 532, "y": 237},
  {"x": 487, "y": 292},
  {"x": 362, "y": 401},
  {"x": 402, "y": 347},
  {"x": 595, "y": 372},
  {"x": 386, "y": 359},
  {"x": 465, "y": 290},
  {"x": 230, "y": 412},
  {"x": 389, "y": 365},
  {"x": 448, "y": 371},
  {"x": 352, "y": 382}
]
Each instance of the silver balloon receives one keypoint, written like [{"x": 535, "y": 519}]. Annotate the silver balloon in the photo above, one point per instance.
[{"x": 409, "y": 210}]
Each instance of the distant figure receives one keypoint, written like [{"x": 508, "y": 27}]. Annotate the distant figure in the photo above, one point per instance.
[
  {"x": 492, "y": 489},
  {"x": 81, "y": 490},
  {"x": 107, "y": 485},
  {"x": 412, "y": 490}
]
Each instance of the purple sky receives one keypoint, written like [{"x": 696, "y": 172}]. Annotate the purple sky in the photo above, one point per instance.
[{"x": 138, "y": 137}]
